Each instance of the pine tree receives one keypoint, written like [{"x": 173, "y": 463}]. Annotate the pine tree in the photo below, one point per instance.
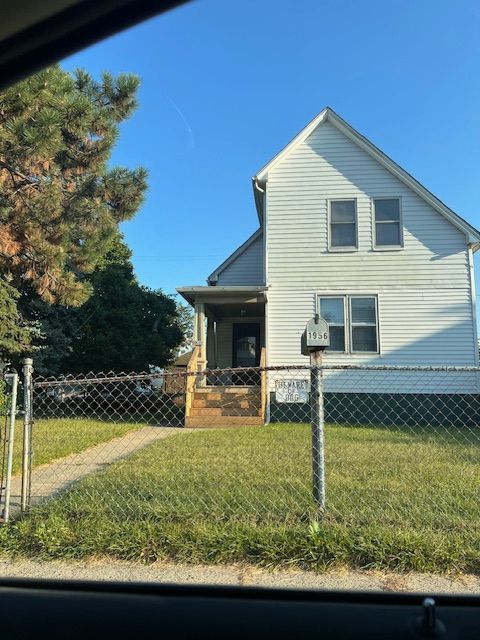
[
  {"x": 60, "y": 203},
  {"x": 15, "y": 333}
]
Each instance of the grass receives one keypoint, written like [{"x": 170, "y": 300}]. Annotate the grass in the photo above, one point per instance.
[
  {"x": 398, "y": 499},
  {"x": 56, "y": 437}
]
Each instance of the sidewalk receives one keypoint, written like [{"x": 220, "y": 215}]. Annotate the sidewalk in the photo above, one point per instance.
[{"x": 58, "y": 475}]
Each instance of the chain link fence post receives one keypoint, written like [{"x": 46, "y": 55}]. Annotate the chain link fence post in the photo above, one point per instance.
[
  {"x": 318, "y": 423},
  {"x": 12, "y": 379},
  {"x": 27, "y": 432}
]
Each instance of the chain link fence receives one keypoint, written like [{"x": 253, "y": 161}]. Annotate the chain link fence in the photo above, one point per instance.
[{"x": 289, "y": 445}]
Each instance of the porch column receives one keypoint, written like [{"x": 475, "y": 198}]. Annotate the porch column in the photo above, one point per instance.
[
  {"x": 199, "y": 334},
  {"x": 211, "y": 353},
  {"x": 215, "y": 343}
]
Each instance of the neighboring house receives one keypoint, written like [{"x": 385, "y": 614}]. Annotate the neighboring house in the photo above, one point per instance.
[
  {"x": 174, "y": 382},
  {"x": 346, "y": 232}
]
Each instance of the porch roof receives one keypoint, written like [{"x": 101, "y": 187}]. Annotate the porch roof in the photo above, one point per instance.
[{"x": 226, "y": 294}]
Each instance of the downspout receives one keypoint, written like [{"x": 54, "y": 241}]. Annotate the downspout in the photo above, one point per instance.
[
  {"x": 255, "y": 182},
  {"x": 263, "y": 195},
  {"x": 471, "y": 248},
  {"x": 258, "y": 192}
]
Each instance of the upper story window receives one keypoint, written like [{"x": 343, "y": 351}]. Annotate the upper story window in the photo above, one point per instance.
[
  {"x": 343, "y": 225},
  {"x": 388, "y": 227}
]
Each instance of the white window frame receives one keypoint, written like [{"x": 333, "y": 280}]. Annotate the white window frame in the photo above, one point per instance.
[
  {"x": 347, "y": 315},
  {"x": 351, "y": 324},
  {"x": 387, "y": 247},
  {"x": 345, "y": 318},
  {"x": 329, "y": 225}
]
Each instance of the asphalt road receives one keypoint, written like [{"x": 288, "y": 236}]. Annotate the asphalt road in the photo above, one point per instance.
[{"x": 239, "y": 575}]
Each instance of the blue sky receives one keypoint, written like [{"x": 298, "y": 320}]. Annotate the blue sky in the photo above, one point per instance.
[{"x": 226, "y": 84}]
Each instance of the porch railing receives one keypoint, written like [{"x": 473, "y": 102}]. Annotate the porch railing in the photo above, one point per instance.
[{"x": 192, "y": 369}]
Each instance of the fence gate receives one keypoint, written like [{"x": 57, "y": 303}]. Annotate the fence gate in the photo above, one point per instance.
[
  {"x": 7, "y": 439},
  {"x": 76, "y": 426}
]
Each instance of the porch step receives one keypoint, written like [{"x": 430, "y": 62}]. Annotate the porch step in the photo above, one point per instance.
[
  {"x": 224, "y": 411},
  {"x": 225, "y": 406},
  {"x": 222, "y": 422},
  {"x": 234, "y": 402},
  {"x": 220, "y": 390},
  {"x": 220, "y": 399}
]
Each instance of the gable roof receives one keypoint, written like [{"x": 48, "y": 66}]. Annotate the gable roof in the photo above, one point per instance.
[
  {"x": 234, "y": 255},
  {"x": 260, "y": 179}
]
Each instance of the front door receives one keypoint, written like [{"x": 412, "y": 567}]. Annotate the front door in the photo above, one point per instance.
[{"x": 246, "y": 352}]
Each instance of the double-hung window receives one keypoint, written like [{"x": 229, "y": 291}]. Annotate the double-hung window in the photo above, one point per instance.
[
  {"x": 343, "y": 225},
  {"x": 363, "y": 324},
  {"x": 388, "y": 228},
  {"x": 353, "y": 322},
  {"x": 332, "y": 310}
]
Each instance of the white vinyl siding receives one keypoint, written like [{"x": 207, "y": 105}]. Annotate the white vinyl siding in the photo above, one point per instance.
[
  {"x": 416, "y": 327},
  {"x": 424, "y": 297},
  {"x": 247, "y": 268}
]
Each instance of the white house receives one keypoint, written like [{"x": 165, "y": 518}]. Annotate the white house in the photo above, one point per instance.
[{"x": 346, "y": 232}]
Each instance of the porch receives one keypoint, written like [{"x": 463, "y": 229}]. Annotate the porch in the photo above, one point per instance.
[{"x": 229, "y": 333}]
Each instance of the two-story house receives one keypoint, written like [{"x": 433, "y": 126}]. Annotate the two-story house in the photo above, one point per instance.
[{"x": 345, "y": 232}]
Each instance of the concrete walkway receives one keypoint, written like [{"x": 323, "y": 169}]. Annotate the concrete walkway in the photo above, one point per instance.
[{"x": 58, "y": 475}]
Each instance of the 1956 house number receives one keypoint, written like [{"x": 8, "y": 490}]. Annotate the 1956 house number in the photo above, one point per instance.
[{"x": 317, "y": 335}]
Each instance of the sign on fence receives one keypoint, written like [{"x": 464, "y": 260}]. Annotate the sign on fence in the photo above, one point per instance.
[{"x": 291, "y": 391}]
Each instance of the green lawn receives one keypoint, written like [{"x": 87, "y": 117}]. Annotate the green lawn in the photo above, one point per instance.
[
  {"x": 58, "y": 437},
  {"x": 396, "y": 498}
]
